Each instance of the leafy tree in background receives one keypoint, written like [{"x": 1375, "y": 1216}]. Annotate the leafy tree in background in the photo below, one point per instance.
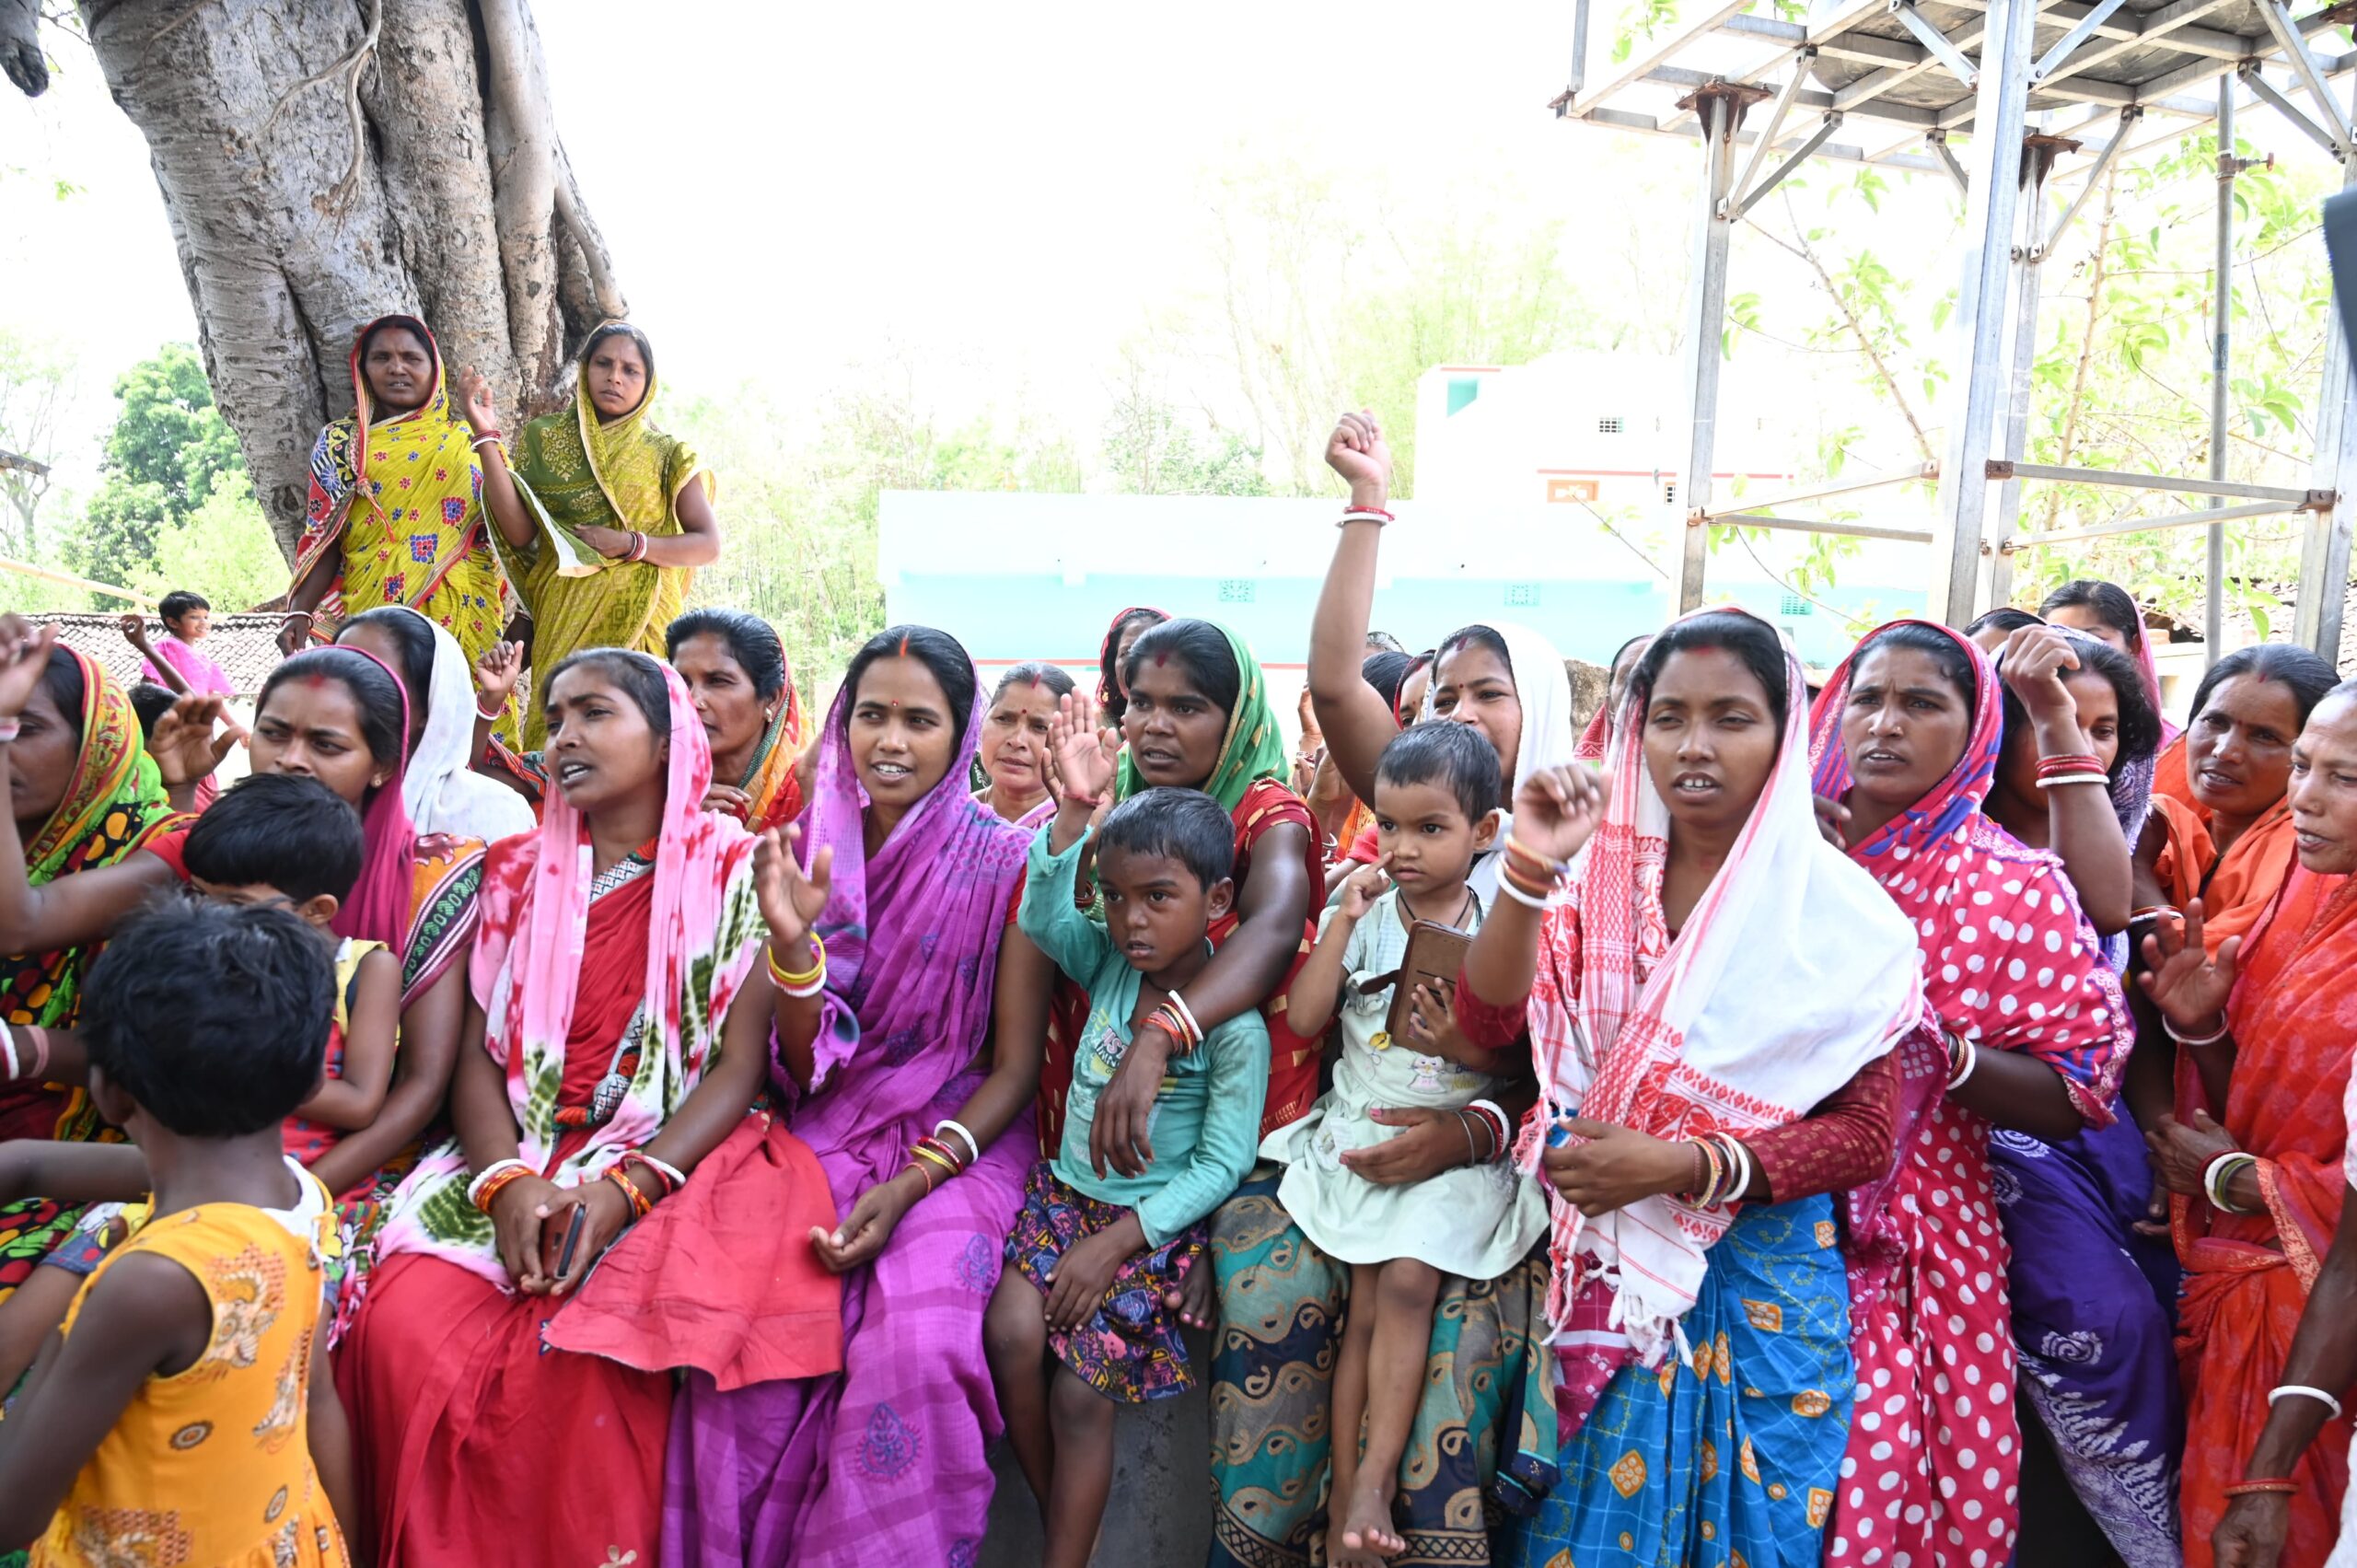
[
  {"x": 167, "y": 448},
  {"x": 223, "y": 550},
  {"x": 35, "y": 388}
]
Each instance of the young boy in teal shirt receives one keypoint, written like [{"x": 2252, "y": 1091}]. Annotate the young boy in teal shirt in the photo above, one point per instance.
[{"x": 1096, "y": 1257}]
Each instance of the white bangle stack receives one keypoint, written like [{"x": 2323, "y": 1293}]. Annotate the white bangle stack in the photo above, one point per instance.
[{"x": 484, "y": 1175}]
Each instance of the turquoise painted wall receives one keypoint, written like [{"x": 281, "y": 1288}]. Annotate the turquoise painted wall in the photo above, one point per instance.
[{"x": 1040, "y": 616}]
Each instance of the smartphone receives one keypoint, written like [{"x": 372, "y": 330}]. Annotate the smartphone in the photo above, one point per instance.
[
  {"x": 1436, "y": 957},
  {"x": 572, "y": 1239}
]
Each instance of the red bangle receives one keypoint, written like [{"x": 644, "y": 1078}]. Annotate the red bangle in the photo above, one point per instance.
[
  {"x": 2260, "y": 1488},
  {"x": 2069, "y": 762}
]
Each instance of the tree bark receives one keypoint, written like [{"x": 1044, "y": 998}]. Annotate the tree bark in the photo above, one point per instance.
[
  {"x": 325, "y": 162},
  {"x": 22, "y": 59}
]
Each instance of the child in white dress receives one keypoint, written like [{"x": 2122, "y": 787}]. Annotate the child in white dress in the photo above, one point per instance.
[{"x": 1435, "y": 789}]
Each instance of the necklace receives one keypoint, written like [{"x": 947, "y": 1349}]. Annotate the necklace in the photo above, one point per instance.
[
  {"x": 627, "y": 869},
  {"x": 1408, "y": 916}
]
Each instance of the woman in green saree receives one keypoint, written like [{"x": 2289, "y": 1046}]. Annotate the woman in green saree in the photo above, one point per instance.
[{"x": 622, "y": 520}]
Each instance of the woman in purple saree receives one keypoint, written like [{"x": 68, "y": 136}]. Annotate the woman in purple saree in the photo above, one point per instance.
[{"x": 913, "y": 885}]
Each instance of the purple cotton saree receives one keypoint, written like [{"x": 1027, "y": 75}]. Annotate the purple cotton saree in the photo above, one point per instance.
[{"x": 886, "y": 1460}]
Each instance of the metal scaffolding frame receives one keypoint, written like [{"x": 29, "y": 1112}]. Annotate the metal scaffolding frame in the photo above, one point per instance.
[{"x": 2049, "y": 92}]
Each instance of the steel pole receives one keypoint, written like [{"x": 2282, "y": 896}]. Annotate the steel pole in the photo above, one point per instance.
[
  {"x": 1991, "y": 205},
  {"x": 2324, "y": 553},
  {"x": 2016, "y": 443},
  {"x": 1706, "y": 311},
  {"x": 2222, "y": 304}
]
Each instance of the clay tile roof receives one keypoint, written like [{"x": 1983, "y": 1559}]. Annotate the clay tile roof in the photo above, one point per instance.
[{"x": 244, "y": 646}]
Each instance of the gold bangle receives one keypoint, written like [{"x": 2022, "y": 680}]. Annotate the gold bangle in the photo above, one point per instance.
[
  {"x": 816, "y": 972},
  {"x": 923, "y": 1152}
]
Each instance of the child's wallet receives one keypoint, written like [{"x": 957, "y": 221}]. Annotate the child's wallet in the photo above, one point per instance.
[{"x": 1435, "y": 956}]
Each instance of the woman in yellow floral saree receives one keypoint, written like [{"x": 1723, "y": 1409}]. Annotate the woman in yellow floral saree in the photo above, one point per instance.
[
  {"x": 396, "y": 513},
  {"x": 599, "y": 475}
]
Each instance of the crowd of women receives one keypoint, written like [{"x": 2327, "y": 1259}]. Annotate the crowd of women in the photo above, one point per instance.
[{"x": 722, "y": 1128}]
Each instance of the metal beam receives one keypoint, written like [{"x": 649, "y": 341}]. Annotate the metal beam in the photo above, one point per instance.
[
  {"x": 2324, "y": 552},
  {"x": 1939, "y": 145},
  {"x": 2171, "y": 26},
  {"x": 1839, "y": 152},
  {"x": 1783, "y": 106},
  {"x": 1807, "y": 98},
  {"x": 1706, "y": 312},
  {"x": 2277, "y": 14},
  {"x": 2291, "y": 112},
  {"x": 1820, "y": 492},
  {"x": 2020, "y": 358},
  {"x": 2068, "y": 42},
  {"x": 2213, "y": 517},
  {"x": 1932, "y": 39},
  {"x": 1799, "y": 156},
  {"x": 2044, "y": 245},
  {"x": 1865, "y": 89},
  {"x": 1579, "y": 51},
  {"x": 2221, "y": 316},
  {"x": 1639, "y": 68},
  {"x": 2176, "y": 484},
  {"x": 1990, "y": 212},
  {"x": 1804, "y": 525}
]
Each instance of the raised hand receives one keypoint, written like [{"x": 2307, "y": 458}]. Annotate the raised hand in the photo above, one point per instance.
[
  {"x": 2031, "y": 664},
  {"x": 24, "y": 659},
  {"x": 791, "y": 899},
  {"x": 729, "y": 801},
  {"x": 1557, "y": 810},
  {"x": 1365, "y": 886},
  {"x": 497, "y": 673},
  {"x": 1358, "y": 452},
  {"x": 1084, "y": 753},
  {"x": 134, "y": 631},
  {"x": 2188, "y": 986},
  {"x": 189, "y": 740},
  {"x": 475, "y": 402}
]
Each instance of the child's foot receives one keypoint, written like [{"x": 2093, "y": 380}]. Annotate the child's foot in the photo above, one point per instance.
[
  {"x": 1192, "y": 1298},
  {"x": 1367, "y": 1539}
]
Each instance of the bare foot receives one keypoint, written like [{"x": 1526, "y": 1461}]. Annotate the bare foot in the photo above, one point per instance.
[
  {"x": 1367, "y": 1538},
  {"x": 1192, "y": 1299}
]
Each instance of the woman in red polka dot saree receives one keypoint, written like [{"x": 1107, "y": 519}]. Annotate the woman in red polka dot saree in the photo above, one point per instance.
[
  {"x": 1906, "y": 736},
  {"x": 1712, "y": 1076}
]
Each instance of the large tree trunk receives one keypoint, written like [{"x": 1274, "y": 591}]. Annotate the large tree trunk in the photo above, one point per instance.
[{"x": 324, "y": 162}]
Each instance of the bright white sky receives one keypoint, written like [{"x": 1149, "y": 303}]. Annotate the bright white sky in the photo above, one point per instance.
[{"x": 998, "y": 195}]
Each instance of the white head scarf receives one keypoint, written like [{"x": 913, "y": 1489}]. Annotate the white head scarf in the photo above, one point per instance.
[
  {"x": 1794, "y": 971},
  {"x": 441, "y": 793},
  {"x": 1543, "y": 685}
]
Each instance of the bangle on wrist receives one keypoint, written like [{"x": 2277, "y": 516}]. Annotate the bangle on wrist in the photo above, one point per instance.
[
  {"x": 2273, "y": 1486},
  {"x": 2220, "y": 1173},
  {"x": 2168, "y": 1026},
  {"x": 2301, "y": 1391},
  {"x": 1964, "y": 1055}
]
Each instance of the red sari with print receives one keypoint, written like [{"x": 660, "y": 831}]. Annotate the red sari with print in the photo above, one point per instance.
[{"x": 2247, "y": 1276}]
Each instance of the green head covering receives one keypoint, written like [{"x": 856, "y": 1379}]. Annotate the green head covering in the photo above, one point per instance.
[{"x": 1253, "y": 750}]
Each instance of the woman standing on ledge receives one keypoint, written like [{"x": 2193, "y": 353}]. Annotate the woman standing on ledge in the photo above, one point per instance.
[{"x": 599, "y": 472}]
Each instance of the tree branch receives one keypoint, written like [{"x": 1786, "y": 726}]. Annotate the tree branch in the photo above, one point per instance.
[{"x": 1801, "y": 247}]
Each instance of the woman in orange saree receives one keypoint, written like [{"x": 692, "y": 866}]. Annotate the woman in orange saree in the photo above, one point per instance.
[{"x": 2267, "y": 1174}]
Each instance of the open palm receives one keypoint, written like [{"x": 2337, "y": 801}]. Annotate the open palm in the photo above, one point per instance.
[
  {"x": 792, "y": 898},
  {"x": 2184, "y": 981},
  {"x": 1084, "y": 754}
]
